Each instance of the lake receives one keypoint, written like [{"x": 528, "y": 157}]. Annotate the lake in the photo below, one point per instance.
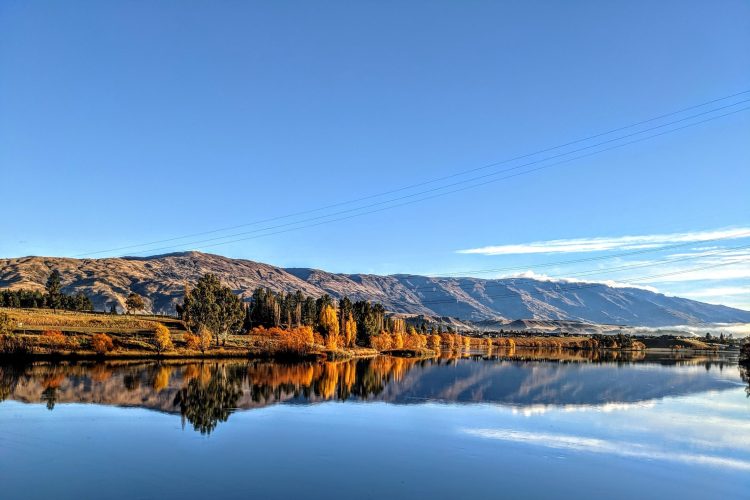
[{"x": 474, "y": 426}]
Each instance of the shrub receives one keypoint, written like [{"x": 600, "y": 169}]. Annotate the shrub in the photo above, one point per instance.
[
  {"x": 204, "y": 338},
  {"x": 162, "y": 338},
  {"x": 381, "y": 342},
  {"x": 55, "y": 338},
  {"x": 506, "y": 343},
  {"x": 14, "y": 345},
  {"x": 6, "y": 324},
  {"x": 192, "y": 342},
  {"x": 333, "y": 341},
  {"x": 102, "y": 343},
  {"x": 298, "y": 340}
]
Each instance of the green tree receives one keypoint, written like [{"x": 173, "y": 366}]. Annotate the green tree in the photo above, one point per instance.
[
  {"x": 214, "y": 306},
  {"x": 745, "y": 353},
  {"x": 54, "y": 290},
  {"x": 134, "y": 302}
]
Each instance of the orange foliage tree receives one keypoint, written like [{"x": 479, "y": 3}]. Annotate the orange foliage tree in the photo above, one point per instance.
[
  {"x": 162, "y": 338},
  {"x": 381, "y": 342},
  {"x": 55, "y": 337},
  {"x": 350, "y": 331},
  {"x": 102, "y": 343},
  {"x": 329, "y": 324},
  {"x": 398, "y": 341},
  {"x": 434, "y": 342}
]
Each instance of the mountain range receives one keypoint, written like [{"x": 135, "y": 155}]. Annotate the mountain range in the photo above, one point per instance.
[{"x": 161, "y": 281}]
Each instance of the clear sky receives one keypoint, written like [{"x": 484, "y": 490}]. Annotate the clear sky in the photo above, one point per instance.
[{"x": 123, "y": 123}]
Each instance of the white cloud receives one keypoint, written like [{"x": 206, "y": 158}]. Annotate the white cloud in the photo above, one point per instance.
[
  {"x": 721, "y": 291},
  {"x": 596, "y": 445},
  {"x": 544, "y": 277},
  {"x": 730, "y": 272},
  {"x": 603, "y": 244}
]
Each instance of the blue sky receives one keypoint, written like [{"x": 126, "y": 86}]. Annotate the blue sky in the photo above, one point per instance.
[{"x": 123, "y": 123}]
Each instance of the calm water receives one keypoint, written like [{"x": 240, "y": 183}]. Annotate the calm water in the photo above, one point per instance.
[{"x": 449, "y": 428}]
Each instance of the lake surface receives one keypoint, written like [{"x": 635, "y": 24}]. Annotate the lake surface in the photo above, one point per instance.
[{"x": 548, "y": 425}]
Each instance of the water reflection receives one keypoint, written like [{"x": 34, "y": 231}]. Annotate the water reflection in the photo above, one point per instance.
[{"x": 207, "y": 393}]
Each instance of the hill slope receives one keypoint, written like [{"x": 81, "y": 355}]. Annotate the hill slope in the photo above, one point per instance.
[{"x": 161, "y": 279}]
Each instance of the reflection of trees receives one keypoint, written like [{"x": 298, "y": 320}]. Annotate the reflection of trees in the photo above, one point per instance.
[
  {"x": 270, "y": 382},
  {"x": 206, "y": 393},
  {"x": 49, "y": 395},
  {"x": 745, "y": 374},
  {"x": 205, "y": 403},
  {"x": 9, "y": 375}
]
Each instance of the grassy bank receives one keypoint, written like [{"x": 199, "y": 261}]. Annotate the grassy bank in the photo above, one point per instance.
[{"x": 46, "y": 333}]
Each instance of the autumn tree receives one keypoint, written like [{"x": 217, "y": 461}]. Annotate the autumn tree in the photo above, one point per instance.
[
  {"x": 134, "y": 303},
  {"x": 200, "y": 341},
  {"x": 433, "y": 341},
  {"x": 162, "y": 338},
  {"x": 102, "y": 343},
  {"x": 329, "y": 325},
  {"x": 349, "y": 331}
]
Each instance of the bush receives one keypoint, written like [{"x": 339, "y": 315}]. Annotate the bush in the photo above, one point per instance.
[
  {"x": 381, "y": 342},
  {"x": 199, "y": 342},
  {"x": 300, "y": 340},
  {"x": 162, "y": 338},
  {"x": 102, "y": 343},
  {"x": 192, "y": 342},
  {"x": 14, "y": 345},
  {"x": 6, "y": 324},
  {"x": 55, "y": 338}
]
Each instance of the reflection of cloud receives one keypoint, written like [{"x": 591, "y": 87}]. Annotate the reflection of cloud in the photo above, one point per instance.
[
  {"x": 602, "y": 244},
  {"x": 540, "y": 409},
  {"x": 595, "y": 445}
]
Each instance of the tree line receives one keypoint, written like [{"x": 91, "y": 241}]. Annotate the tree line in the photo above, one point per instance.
[
  {"x": 53, "y": 297},
  {"x": 212, "y": 306}
]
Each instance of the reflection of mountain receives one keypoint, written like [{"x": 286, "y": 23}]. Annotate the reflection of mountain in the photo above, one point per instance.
[{"x": 207, "y": 393}]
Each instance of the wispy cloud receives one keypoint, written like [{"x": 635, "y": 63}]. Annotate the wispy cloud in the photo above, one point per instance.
[
  {"x": 721, "y": 291},
  {"x": 544, "y": 277},
  {"x": 604, "y": 244},
  {"x": 596, "y": 445}
]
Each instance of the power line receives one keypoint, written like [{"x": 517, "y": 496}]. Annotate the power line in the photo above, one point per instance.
[
  {"x": 432, "y": 288},
  {"x": 471, "y": 186},
  {"x": 432, "y": 181},
  {"x": 576, "y": 261}
]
